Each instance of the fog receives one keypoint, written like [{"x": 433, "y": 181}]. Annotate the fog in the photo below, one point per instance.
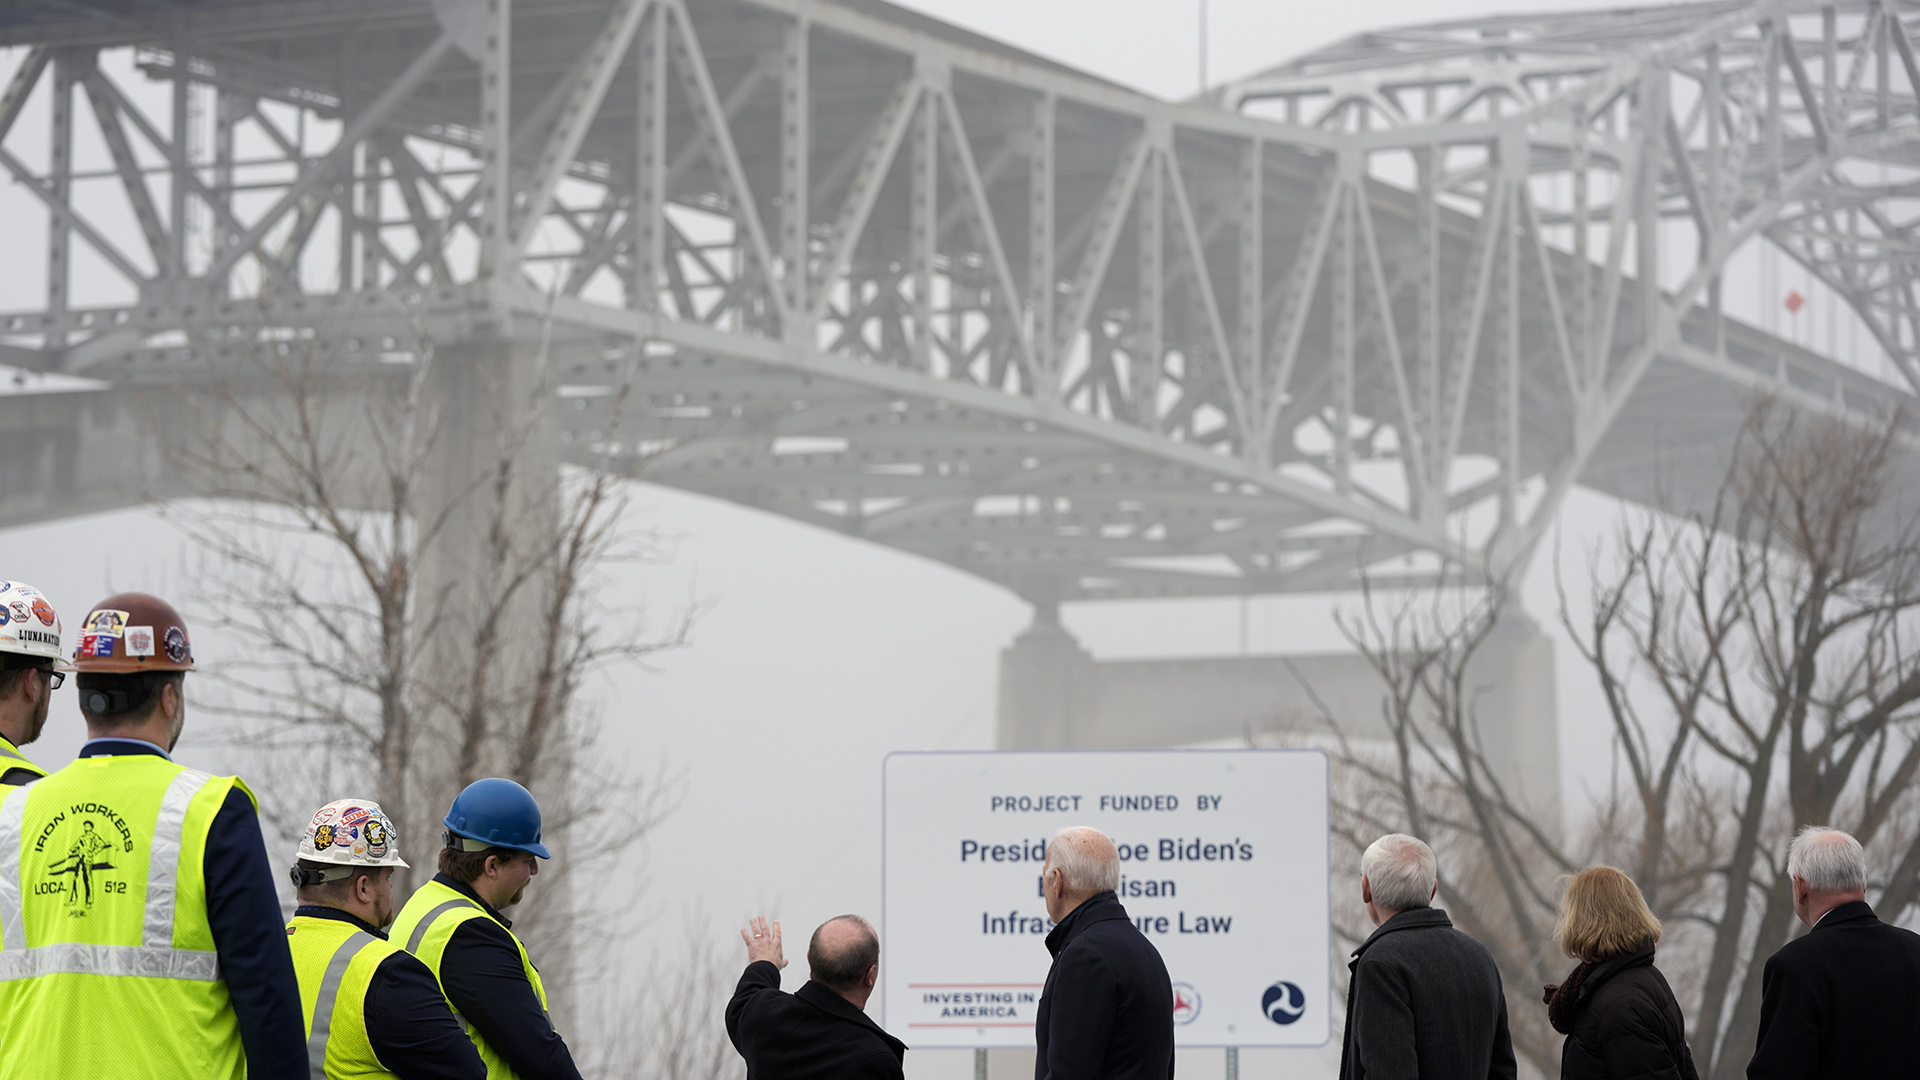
[{"x": 815, "y": 655}]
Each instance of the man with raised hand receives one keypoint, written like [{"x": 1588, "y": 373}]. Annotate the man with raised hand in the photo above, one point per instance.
[
  {"x": 1844, "y": 1000},
  {"x": 822, "y": 1031},
  {"x": 1107, "y": 1010}
]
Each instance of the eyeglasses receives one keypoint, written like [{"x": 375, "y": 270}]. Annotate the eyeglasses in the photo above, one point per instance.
[{"x": 55, "y": 679}]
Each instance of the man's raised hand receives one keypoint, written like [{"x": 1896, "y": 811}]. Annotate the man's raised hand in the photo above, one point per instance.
[{"x": 763, "y": 942}]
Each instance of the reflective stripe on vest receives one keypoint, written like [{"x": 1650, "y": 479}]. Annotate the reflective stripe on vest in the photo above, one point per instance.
[
  {"x": 428, "y": 921},
  {"x": 104, "y": 915},
  {"x": 329, "y": 990},
  {"x": 155, "y": 956},
  {"x": 12, "y": 758},
  {"x": 420, "y": 931}
]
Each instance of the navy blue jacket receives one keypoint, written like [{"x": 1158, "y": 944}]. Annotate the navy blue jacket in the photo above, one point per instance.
[
  {"x": 1107, "y": 1010},
  {"x": 484, "y": 980},
  {"x": 249, "y": 935},
  {"x": 1841, "y": 1003},
  {"x": 412, "y": 1031}
]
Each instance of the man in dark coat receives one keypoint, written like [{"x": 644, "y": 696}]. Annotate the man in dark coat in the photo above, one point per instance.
[
  {"x": 1425, "y": 999},
  {"x": 1107, "y": 1010},
  {"x": 1844, "y": 1000},
  {"x": 823, "y": 1031}
]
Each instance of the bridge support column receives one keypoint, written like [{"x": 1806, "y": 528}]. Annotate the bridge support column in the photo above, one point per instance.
[
  {"x": 1055, "y": 695},
  {"x": 1049, "y": 688},
  {"x": 494, "y": 472}
]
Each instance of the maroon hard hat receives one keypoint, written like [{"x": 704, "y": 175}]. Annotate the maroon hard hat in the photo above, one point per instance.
[{"x": 130, "y": 632}]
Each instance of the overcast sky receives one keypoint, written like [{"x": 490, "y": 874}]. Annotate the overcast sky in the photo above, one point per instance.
[{"x": 820, "y": 654}]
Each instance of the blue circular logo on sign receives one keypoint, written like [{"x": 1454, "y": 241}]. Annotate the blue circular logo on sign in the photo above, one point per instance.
[{"x": 1284, "y": 1003}]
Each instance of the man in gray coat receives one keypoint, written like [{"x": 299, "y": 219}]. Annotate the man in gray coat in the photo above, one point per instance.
[{"x": 1425, "y": 999}]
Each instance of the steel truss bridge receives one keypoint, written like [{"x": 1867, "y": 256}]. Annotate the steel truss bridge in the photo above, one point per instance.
[{"x": 1372, "y": 311}]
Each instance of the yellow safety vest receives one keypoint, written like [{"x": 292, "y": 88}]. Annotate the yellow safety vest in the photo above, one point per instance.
[
  {"x": 427, "y": 923},
  {"x": 11, "y": 758},
  {"x": 107, "y": 962},
  {"x": 335, "y": 961}
]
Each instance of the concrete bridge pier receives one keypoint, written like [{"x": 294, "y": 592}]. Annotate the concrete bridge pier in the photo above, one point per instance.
[{"x": 1055, "y": 695}]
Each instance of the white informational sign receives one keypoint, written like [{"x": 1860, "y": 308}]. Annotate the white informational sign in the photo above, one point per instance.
[{"x": 1223, "y": 867}]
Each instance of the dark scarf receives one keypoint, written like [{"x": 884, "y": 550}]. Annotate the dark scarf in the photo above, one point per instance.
[
  {"x": 1562, "y": 998},
  {"x": 1565, "y": 999}
]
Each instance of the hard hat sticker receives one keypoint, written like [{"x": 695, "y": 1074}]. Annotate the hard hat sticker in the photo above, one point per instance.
[
  {"x": 376, "y": 836},
  {"x": 106, "y": 622},
  {"x": 350, "y": 832},
  {"x": 43, "y": 611},
  {"x": 139, "y": 641},
  {"x": 97, "y": 645},
  {"x": 176, "y": 645}
]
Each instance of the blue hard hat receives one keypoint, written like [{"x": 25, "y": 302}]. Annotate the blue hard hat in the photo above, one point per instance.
[{"x": 498, "y": 813}]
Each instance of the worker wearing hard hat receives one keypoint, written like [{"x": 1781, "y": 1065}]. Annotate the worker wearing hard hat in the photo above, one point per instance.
[
  {"x": 372, "y": 1009},
  {"x": 139, "y": 929},
  {"x": 488, "y": 855},
  {"x": 30, "y": 671}
]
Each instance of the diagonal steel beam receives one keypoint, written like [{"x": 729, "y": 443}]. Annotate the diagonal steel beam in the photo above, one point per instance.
[
  {"x": 1109, "y": 217},
  {"x": 20, "y": 87},
  {"x": 988, "y": 230},
  {"x": 93, "y": 236},
  {"x": 1303, "y": 281},
  {"x": 603, "y": 59},
  {"x": 323, "y": 171},
  {"x": 712, "y": 116},
  {"x": 1216, "y": 327},
  {"x": 114, "y": 133},
  {"x": 868, "y": 178}
]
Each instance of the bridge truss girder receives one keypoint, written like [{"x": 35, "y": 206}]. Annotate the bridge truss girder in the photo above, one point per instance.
[{"x": 857, "y": 268}]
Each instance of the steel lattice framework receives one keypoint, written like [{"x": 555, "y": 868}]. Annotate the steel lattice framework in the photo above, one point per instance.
[{"x": 1375, "y": 310}]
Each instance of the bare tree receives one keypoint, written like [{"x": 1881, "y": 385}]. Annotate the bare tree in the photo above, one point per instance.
[
  {"x": 1757, "y": 663},
  {"x": 672, "y": 1027},
  {"x": 1431, "y": 775},
  {"x": 416, "y": 604}
]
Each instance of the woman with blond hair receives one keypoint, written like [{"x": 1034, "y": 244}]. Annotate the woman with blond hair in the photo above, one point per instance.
[{"x": 1616, "y": 1009}]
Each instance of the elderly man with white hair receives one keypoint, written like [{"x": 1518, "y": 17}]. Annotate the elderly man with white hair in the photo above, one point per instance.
[
  {"x": 1425, "y": 999},
  {"x": 1107, "y": 1010},
  {"x": 1843, "y": 1001}
]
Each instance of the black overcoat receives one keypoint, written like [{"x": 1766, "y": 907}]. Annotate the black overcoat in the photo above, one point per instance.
[
  {"x": 1107, "y": 1010},
  {"x": 813, "y": 1034},
  {"x": 1841, "y": 1003},
  {"x": 1627, "y": 1025},
  {"x": 1425, "y": 1001}
]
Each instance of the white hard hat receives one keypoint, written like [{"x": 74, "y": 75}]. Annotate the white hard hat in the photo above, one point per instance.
[
  {"x": 28, "y": 624},
  {"x": 351, "y": 832}
]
